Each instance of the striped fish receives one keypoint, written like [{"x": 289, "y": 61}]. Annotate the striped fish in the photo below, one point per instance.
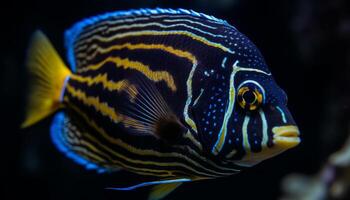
[{"x": 175, "y": 95}]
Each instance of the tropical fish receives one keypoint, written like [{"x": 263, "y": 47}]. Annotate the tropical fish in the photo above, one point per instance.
[{"x": 174, "y": 95}]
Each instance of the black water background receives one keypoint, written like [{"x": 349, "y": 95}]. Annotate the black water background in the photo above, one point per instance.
[{"x": 305, "y": 43}]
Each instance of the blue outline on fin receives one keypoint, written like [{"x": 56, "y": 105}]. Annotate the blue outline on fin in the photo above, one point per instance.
[
  {"x": 64, "y": 88},
  {"x": 72, "y": 33},
  {"x": 58, "y": 140},
  {"x": 151, "y": 183}
]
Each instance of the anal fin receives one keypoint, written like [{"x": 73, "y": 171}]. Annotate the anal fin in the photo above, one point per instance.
[
  {"x": 69, "y": 138},
  {"x": 160, "y": 191}
]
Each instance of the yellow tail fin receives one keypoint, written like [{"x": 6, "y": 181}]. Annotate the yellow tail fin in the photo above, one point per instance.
[{"x": 47, "y": 74}]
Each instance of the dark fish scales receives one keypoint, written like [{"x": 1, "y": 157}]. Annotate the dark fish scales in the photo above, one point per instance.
[{"x": 174, "y": 95}]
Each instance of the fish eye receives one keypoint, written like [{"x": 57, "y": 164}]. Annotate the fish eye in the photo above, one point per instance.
[{"x": 250, "y": 97}]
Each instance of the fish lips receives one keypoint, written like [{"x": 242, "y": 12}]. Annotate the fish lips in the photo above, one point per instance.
[{"x": 286, "y": 137}]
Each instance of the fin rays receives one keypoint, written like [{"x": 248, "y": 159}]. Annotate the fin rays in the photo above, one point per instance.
[{"x": 148, "y": 108}]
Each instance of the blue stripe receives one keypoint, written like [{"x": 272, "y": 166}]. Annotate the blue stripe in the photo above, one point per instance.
[{"x": 152, "y": 183}]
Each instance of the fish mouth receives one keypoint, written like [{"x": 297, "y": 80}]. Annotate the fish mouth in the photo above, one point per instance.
[{"x": 286, "y": 136}]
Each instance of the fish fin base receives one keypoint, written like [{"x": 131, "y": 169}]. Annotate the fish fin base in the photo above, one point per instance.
[{"x": 47, "y": 77}]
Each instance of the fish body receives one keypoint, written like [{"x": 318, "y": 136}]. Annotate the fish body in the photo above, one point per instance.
[{"x": 171, "y": 94}]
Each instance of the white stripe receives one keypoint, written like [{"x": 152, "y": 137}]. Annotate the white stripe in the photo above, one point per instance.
[
  {"x": 144, "y": 33},
  {"x": 254, "y": 70},
  {"x": 222, "y": 22},
  {"x": 200, "y": 94},
  {"x": 282, "y": 114},
  {"x": 145, "y": 25},
  {"x": 126, "y": 27},
  {"x": 105, "y": 25},
  {"x": 228, "y": 112},
  {"x": 265, "y": 137},
  {"x": 64, "y": 88},
  {"x": 223, "y": 62},
  {"x": 188, "y": 120},
  {"x": 190, "y": 21},
  {"x": 232, "y": 92},
  {"x": 256, "y": 83}
]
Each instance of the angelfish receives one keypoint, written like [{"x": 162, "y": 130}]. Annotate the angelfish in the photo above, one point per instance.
[{"x": 173, "y": 95}]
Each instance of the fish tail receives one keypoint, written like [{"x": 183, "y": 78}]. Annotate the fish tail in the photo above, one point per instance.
[{"x": 47, "y": 76}]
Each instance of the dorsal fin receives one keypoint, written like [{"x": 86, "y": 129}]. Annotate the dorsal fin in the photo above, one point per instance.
[{"x": 72, "y": 34}]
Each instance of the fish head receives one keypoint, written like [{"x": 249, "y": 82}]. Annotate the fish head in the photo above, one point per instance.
[
  {"x": 244, "y": 118},
  {"x": 264, "y": 126}
]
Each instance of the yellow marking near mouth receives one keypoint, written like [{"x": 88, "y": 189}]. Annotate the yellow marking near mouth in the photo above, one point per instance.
[{"x": 285, "y": 137}]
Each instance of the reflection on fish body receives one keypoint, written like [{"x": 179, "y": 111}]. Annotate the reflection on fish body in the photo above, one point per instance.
[{"x": 171, "y": 94}]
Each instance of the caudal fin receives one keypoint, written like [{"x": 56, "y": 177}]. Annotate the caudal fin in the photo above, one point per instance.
[{"x": 47, "y": 75}]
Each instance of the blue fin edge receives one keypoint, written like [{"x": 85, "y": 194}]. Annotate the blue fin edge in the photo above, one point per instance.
[
  {"x": 72, "y": 33},
  {"x": 181, "y": 180},
  {"x": 58, "y": 141}
]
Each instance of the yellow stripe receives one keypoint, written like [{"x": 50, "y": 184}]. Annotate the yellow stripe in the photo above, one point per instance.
[
  {"x": 193, "y": 140},
  {"x": 75, "y": 143},
  {"x": 144, "y": 69},
  {"x": 101, "y": 107},
  {"x": 155, "y": 33},
  {"x": 122, "y": 85},
  {"x": 133, "y": 150},
  {"x": 98, "y": 129},
  {"x": 169, "y": 49},
  {"x": 87, "y": 155},
  {"x": 114, "y": 153}
]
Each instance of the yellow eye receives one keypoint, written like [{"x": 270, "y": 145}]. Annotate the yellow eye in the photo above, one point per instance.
[{"x": 249, "y": 98}]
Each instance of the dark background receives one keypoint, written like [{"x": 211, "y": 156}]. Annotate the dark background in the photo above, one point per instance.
[{"x": 306, "y": 43}]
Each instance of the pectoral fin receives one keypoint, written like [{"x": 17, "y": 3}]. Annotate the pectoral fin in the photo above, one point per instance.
[{"x": 149, "y": 113}]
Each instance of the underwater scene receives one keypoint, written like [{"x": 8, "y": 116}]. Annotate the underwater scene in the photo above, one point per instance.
[{"x": 225, "y": 99}]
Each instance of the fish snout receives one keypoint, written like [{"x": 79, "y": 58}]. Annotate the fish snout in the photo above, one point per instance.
[{"x": 286, "y": 137}]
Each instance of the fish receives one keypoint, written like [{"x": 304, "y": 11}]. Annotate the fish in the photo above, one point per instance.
[{"x": 173, "y": 95}]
